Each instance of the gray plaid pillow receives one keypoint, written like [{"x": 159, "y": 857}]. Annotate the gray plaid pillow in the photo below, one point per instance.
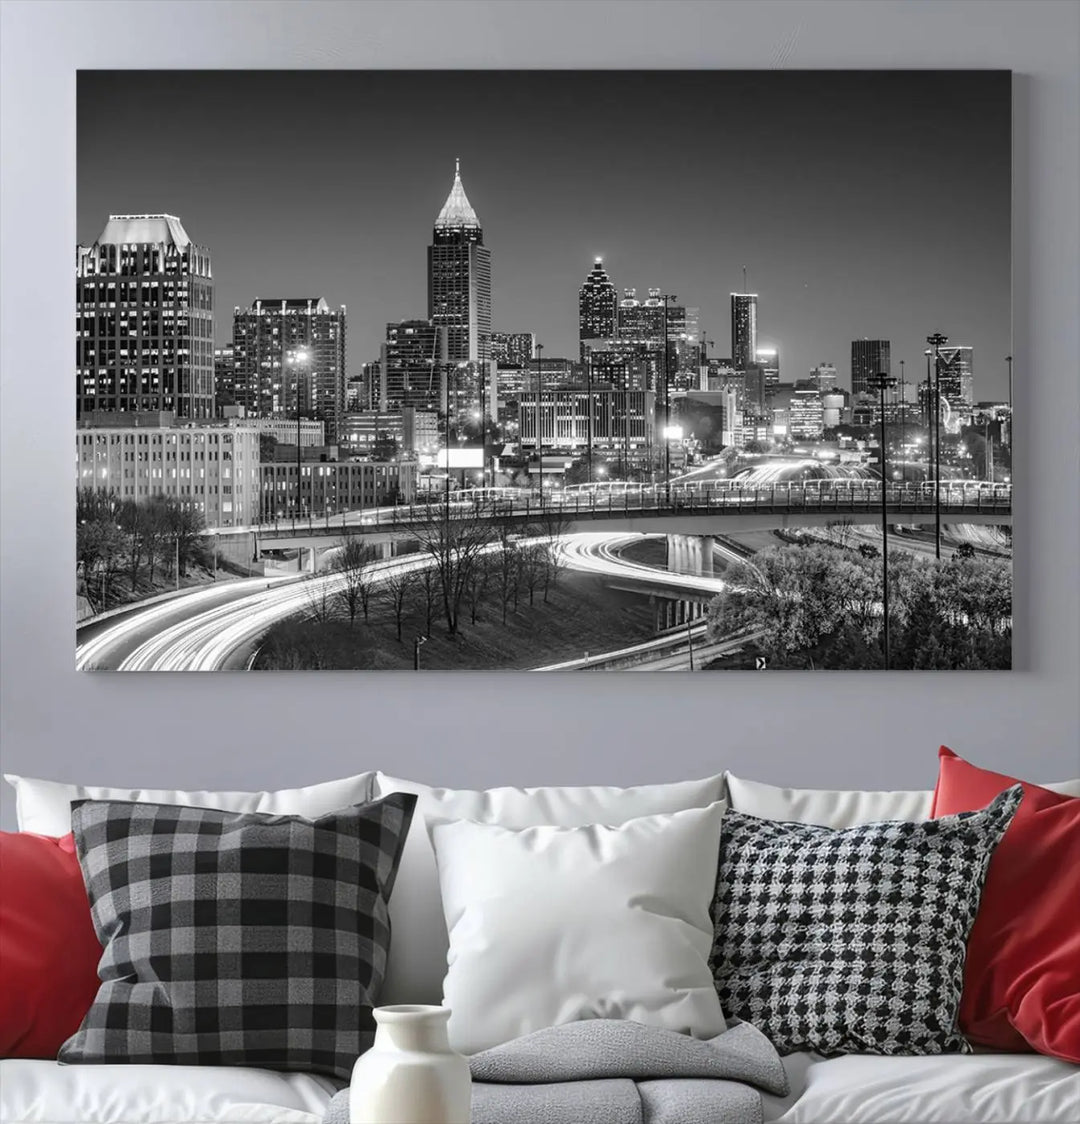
[
  {"x": 237, "y": 938},
  {"x": 851, "y": 941}
]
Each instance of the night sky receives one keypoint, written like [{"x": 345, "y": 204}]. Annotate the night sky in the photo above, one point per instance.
[{"x": 861, "y": 203}]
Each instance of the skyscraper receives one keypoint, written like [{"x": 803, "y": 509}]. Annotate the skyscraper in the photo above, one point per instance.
[
  {"x": 868, "y": 358},
  {"x": 144, "y": 329},
  {"x": 597, "y": 307},
  {"x": 459, "y": 278},
  {"x": 412, "y": 366},
  {"x": 824, "y": 377},
  {"x": 224, "y": 377},
  {"x": 743, "y": 329},
  {"x": 643, "y": 323},
  {"x": 957, "y": 375},
  {"x": 289, "y": 358},
  {"x": 513, "y": 349}
]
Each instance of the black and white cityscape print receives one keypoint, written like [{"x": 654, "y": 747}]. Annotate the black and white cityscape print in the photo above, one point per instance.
[{"x": 543, "y": 370}]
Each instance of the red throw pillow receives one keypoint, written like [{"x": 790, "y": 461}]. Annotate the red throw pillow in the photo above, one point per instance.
[
  {"x": 1022, "y": 975},
  {"x": 48, "y": 950}
]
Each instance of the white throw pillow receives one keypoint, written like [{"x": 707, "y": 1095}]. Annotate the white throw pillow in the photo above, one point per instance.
[
  {"x": 551, "y": 925},
  {"x": 839, "y": 808},
  {"x": 44, "y": 807},
  {"x": 418, "y": 940}
]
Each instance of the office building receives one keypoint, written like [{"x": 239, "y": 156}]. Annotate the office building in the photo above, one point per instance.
[
  {"x": 597, "y": 307},
  {"x": 459, "y": 278},
  {"x": 768, "y": 358},
  {"x": 282, "y": 430},
  {"x": 627, "y": 364},
  {"x": 411, "y": 431},
  {"x": 649, "y": 322},
  {"x": 806, "y": 415},
  {"x": 213, "y": 466},
  {"x": 833, "y": 409},
  {"x": 570, "y": 417},
  {"x": 224, "y": 378},
  {"x": 957, "y": 375},
  {"x": 412, "y": 366},
  {"x": 720, "y": 373},
  {"x": 289, "y": 358},
  {"x": 744, "y": 345},
  {"x": 144, "y": 328},
  {"x": 513, "y": 349},
  {"x": 331, "y": 488},
  {"x": 955, "y": 379},
  {"x": 824, "y": 377},
  {"x": 726, "y": 400},
  {"x": 868, "y": 358}
]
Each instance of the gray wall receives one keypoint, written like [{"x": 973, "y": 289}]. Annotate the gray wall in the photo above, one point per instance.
[{"x": 831, "y": 729}]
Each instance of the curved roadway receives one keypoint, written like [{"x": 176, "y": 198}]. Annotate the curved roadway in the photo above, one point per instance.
[{"x": 218, "y": 629}]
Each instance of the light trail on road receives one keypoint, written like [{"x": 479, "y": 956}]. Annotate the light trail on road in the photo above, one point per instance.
[
  {"x": 595, "y": 552},
  {"x": 198, "y": 633}
]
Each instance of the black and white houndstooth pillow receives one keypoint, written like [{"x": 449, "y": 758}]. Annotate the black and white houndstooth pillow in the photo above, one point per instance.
[
  {"x": 236, "y": 938},
  {"x": 851, "y": 941}
]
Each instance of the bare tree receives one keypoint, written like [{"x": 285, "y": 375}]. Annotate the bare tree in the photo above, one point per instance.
[
  {"x": 532, "y": 567},
  {"x": 353, "y": 563},
  {"x": 321, "y": 602},
  {"x": 428, "y": 587},
  {"x": 553, "y": 526},
  {"x": 479, "y": 581},
  {"x": 455, "y": 540},
  {"x": 399, "y": 585}
]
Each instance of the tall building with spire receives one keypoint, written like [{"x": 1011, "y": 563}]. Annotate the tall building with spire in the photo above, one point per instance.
[
  {"x": 459, "y": 278},
  {"x": 144, "y": 327},
  {"x": 598, "y": 305}
]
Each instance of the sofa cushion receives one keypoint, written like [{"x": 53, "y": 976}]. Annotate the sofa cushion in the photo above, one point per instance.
[
  {"x": 839, "y": 807},
  {"x": 1022, "y": 979},
  {"x": 552, "y": 925},
  {"x": 836, "y": 808},
  {"x": 851, "y": 940},
  {"x": 49, "y": 952},
  {"x": 236, "y": 939},
  {"x": 949, "y": 1089},
  {"x": 419, "y": 941},
  {"x": 43, "y": 1092},
  {"x": 44, "y": 807}
]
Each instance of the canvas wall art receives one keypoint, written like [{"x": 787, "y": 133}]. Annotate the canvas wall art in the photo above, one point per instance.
[{"x": 543, "y": 370}]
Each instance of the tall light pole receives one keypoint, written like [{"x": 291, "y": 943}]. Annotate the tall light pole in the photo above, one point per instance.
[
  {"x": 667, "y": 407},
  {"x": 588, "y": 413},
  {"x": 903, "y": 426},
  {"x": 1009, "y": 361},
  {"x": 937, "y": 341},
  {"x": 882, "y": 382},
  {"x": 540, "y": 415},
  {"x": 296, "y": 358}
]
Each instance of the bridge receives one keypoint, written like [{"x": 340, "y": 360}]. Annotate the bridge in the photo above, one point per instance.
[{"x": 682, "y": 510}]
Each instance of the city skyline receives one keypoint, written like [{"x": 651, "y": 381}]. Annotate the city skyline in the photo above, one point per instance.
[{"x": 361, "y": 241}]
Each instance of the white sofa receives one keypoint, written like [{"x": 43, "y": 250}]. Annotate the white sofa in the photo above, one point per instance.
[{"x": 980, "y": 1088}]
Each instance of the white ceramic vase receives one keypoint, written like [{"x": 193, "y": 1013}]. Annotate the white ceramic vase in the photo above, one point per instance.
[{"x": 410, "y": 1075}]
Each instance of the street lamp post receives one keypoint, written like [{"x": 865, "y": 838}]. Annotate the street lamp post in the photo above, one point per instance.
[
  {"x": 416, "y": 651},
  {"x": 296, "y": 359},
  {"x": 936, "y": 341},
  {"x": 588, "y": 414},
  {"x": 882, "y": 382},
  {"x": 903, "y": 426}
]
